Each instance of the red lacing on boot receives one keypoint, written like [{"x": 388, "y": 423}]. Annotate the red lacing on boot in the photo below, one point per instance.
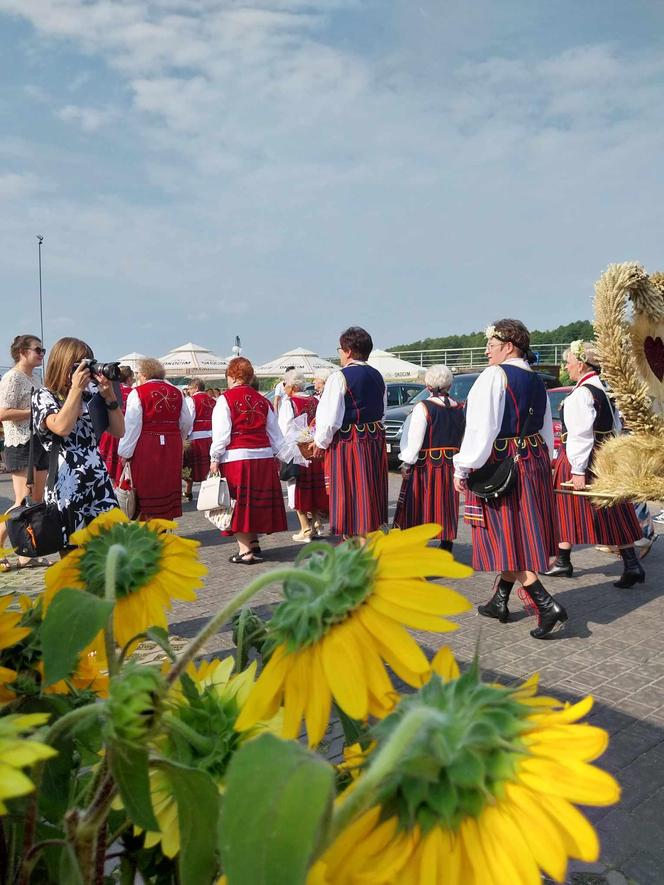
[{"x": 529, "y": 603}]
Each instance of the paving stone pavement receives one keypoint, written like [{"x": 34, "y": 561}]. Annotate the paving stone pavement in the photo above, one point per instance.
[{"x": 612, "y": 647}]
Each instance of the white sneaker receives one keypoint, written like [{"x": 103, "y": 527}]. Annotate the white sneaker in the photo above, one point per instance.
[
  {"x": 659, "y": 519},
  {"x": 303, "y": 537}
]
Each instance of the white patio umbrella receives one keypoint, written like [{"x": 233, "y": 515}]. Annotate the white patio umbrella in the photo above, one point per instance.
[
  {"x": 194, "y": 361},
  {"x": 131, "y": 360},
  {"x": 307, "y": 361},
  {"x": 393, "y": 369}
]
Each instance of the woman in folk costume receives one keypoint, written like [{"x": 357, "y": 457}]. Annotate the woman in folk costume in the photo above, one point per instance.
[
  {"x": 513, "y": 534},
  {"x": 108, "y": 444},
  {"x": 430, "y": 440},
  {"x": 156, "y": 422},
  {"x": 245, "y": 439},
  {"x": 197, "y": 453},
  {"x": 319, "y": 379},
  {"x": 349, "y": 430},
  {"x": 589, "y": 420},
  {"x": 307, "y": 494}
]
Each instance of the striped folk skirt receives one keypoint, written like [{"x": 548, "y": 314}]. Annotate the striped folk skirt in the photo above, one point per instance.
[
  {"x": 518, "y": 531},
  {"x": 197, "y": 458},
  {"x": 580, "y": 522},
  {"x": 356, "y": 475},
  {"x": 428, "y": 495},
  {"x": 310, "y": 491},
  {"x": 156, "y": 472},
  {"x": 254, "y": 485}
]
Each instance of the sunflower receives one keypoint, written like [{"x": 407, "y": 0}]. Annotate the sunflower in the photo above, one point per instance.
[
  {"x": 10, "y": 634},
  {"x": 16, "y": 752},
  {"x": 204, "y": 707},
  {"x": 88, "y": 676},
  {"x": 334, "y": 644},
  {"x": 487, "y": 795},
  {"x": 158, "y": 567}
]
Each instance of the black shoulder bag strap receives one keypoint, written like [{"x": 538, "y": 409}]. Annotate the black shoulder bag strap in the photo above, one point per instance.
[{"x": 52, "y": 457}]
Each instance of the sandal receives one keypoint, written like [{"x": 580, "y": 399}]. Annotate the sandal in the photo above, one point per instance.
[
  {"x": 38, "y": 562},
  {"x": 256, "y": 548},
  {"x": 5, "y": 565},
  {"x": 241, "y": 558}
]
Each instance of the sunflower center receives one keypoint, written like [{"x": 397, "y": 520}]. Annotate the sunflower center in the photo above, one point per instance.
[
  {"x": 134, "y": 570},
  {"x": 451, "y": 773},
  {"x": 307, "y": 613}
]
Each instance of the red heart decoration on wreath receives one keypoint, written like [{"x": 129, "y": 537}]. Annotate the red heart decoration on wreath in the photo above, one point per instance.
[{"x": 654, "y": 351}]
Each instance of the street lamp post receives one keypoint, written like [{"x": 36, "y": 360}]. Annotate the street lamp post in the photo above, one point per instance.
[{"x": 40, "y": 240}]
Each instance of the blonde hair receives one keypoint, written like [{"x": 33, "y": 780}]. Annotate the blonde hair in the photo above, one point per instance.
[
  {"x": 151, "y": 369},
  {"x": 584, "y": 351}
]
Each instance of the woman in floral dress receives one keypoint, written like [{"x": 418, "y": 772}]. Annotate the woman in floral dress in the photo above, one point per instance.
[{"x": 82, "y": 489}]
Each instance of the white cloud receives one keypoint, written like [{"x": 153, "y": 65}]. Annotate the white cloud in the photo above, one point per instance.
[{"x": 88, "y": 118}]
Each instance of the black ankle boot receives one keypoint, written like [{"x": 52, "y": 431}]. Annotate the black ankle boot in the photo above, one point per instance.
[
  {"x": 496, "y": 607},
  {"x": 633, "y": 572},
  {"x": 447, "y": 545},
  {"x": 549, "y": 612},
  {"x": 562, "y": 566}
]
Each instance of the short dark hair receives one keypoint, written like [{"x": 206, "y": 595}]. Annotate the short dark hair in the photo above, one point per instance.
[
  {"x": 515, "y": 332},
  {"x": 358, "y": 341},
  {"x": 126, "y": 373},
  {"x": 197, "y": 384}
]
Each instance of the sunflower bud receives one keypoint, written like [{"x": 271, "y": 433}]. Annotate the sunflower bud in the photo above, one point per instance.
[{"x": 135, "y": 703}]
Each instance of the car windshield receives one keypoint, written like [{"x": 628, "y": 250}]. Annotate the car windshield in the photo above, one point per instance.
[
  {"x": 459, "y": 389},
  {"x": 556, "y": 397}
]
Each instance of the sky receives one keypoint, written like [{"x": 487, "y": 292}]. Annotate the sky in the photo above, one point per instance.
[{"x": 282, "y": 169}]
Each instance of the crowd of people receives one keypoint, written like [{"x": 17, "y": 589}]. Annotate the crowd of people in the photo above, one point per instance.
[{"x": 338, "y": 469}]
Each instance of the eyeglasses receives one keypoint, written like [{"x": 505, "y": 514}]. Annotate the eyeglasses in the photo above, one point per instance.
[{"x": 39, "y": 350}]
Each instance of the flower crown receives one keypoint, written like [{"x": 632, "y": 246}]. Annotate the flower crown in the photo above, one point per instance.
[
  {"x": 492, "y": 332},
  {"x": 577, "y": 349}
]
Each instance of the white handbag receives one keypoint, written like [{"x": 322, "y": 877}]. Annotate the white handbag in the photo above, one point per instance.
[
  {"x": 126, "y": 496},
  {"x": 213, "y": 493},
  {"x": 222, "y": 517}
]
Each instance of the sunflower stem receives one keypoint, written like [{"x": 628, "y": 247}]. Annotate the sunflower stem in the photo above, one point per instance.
[
  {"x": 198, "y": 741},
  {"x": 227, "y": 612},
  {"x": 365, "y": 791},
  {"x": 112, "y": 559}
]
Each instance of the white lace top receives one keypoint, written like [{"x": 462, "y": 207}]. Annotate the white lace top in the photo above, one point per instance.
[{"x": 15, "y": 389}]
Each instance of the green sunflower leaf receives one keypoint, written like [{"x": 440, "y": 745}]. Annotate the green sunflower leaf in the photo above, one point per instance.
[
  {"x": 129, "y": 767},
  {"x": 72, "y": 621},
  {"x": 277, "y": 805},
  {"x": 198, "y": 802}
]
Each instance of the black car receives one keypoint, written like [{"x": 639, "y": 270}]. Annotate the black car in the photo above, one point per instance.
[
  {"x": 395, "y": 418},
  {"x": 401, "y": 392}
]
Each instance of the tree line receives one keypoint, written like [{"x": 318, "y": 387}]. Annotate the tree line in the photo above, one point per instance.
[{"x": 580, "y": 329}]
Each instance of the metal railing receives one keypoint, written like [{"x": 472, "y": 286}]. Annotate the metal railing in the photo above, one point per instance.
[{"x": 474, "y": 357}]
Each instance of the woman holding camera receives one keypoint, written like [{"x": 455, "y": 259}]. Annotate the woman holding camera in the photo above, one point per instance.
[{"x": 82, "y": 489}]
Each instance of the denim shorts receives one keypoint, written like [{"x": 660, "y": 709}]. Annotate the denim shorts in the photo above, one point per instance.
[{"x": 16, "y": 457}]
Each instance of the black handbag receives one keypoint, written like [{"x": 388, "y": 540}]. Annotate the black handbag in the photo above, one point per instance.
[
  {"x": 38, "y": 529},
  {"x": 497, "y": 478}
]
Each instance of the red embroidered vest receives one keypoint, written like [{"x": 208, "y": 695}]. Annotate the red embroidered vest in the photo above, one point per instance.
[
  {"x": 302, "y": 404},
  {"x": 204, "y": 406},
  {"x": 249, "y": 410},
  {"x": 162, "y": 404}
]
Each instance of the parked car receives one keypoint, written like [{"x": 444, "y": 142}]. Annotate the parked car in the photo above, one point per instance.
[
  {"x": 556, "y": 396},
  {"x": 401, "y": 392},
  {"x": 395, "y": 418}
]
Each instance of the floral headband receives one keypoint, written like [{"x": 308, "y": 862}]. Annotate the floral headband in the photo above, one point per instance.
[
  {"x": 577, "y": 349},
  {"x": 491, "y": 332}
]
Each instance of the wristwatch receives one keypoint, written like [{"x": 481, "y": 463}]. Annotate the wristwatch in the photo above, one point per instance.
[{"x": 112, "y": 406}]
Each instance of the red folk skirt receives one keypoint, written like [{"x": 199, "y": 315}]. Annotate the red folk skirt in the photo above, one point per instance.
[
  {"x": 108, "y": 449},
  {"x": 310, "y": 491},
  {"x": 156, "y": 471},
  {"x": 428, "y": 495},
  {"x": 580, "y": 522},
  {"x": 518, "y": 531},
  {"x": 356, "y": 474},
  {"x": 259, "y": 502},
  {"x": 197, "y": 458}
]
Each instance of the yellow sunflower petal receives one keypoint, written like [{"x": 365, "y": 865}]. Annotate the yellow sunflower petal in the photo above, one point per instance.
[
  {"x": 569, "y": 713},
  {"x": 514, "y": 851},
  {"x": 445, "y": 665},
  {"x": 296, "y": 689},
  {"x": 422, "y": 596},
  {"x": 399, "y": 539},
  {"x": 540, "y": 833},
  {"x": 344, "y": 670},
  {"x": 575, "y": 781},
  {"x": 578, "y": 833},
  {"x": 583, "y": 742},
  {"x": 265, "y": 697},
  {"x": 408, "y": 617},
  {"x": 100, "y": 524},
  {"x": 427, "y": 562},
  {"x": 13, "y": 782},
  {"x": 474, "y": 852},
  {"x": 319, "y": 701}
]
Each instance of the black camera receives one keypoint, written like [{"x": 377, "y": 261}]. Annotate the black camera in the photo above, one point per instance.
[{"x": 108, "y": 370}]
